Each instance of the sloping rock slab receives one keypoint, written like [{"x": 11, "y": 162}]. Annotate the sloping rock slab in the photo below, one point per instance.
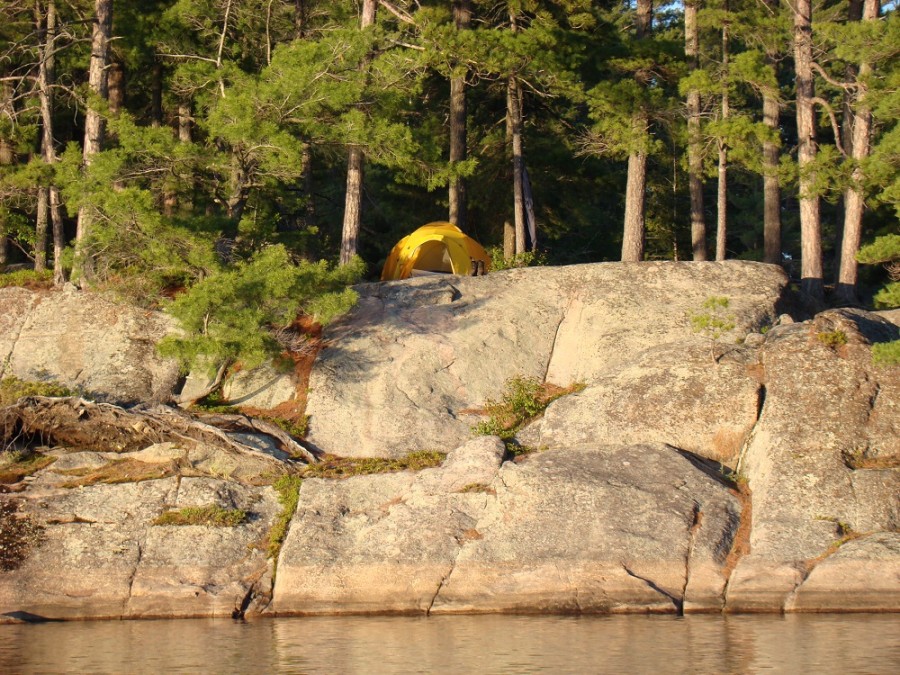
[
  {"x": 828, "y": 411},
  {"x": 586, "y": 529},
  {"x": 703, "y": 398},
  {"x": 99, "y": 555},
  {"x": 405, "y": 365},
  {"x": 103, "y": 349}
]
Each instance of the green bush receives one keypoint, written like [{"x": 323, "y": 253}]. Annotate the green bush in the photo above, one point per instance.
[
  {"x": 12, "y": 389},
  {"x": 526, "y": 259},
  {"x": 27, "y": 278},
  {"x": 886, "y": 353},
  {"x": 288, "y": 489},
  {"x": 228, "y": 317},
  {"x": 833, "y": 339}
]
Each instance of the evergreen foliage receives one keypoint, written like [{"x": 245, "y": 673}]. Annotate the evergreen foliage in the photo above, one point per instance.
[
  {"x": 227, "y": 317},
  {"x": 230, "y": 122}
]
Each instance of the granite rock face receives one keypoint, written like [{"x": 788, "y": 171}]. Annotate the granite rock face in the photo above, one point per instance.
[
  {"x": 103, "y": 349},
  {"x": 419, "y": 354},
  {"x": 99, "y": 555},
  {"x": 591, "y": 529},
  {"x": 708, "y": 465}
]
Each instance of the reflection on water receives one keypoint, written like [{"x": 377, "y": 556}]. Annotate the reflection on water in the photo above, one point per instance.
[{"x": 461, "y": 644}]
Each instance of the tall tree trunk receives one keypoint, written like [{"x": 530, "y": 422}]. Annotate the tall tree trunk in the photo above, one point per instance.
[
  {"x": 462, "y": 18},
  {"x": 46, "y": 79},
  {"x": 42, "y": 226},
  {"x": 771, "y": 180},
  {"x": 353, "y": 198},
  {"x": 306, "y": 179},
  {"x": 771, "y": 183},
  {"x": 156, "y": 95},
  {"x": 851, "y": 73},
  {"x": 695, "y": 141},
  {"x": 812, "y": 281},
  {"x": 516, "y": 146},
  {"x": 636, "y": 184},
  {"x": 93, "y": 124},
  {"x": 514, "y": 120},
  {"x": 722, "y": 188},
  {"x": 185, "y": 135},
  {"x": 854, "y": 203},
  {"x": 7, "y": 157}
]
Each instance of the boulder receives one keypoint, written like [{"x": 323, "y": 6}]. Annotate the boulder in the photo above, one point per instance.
[
  {"x": 99, "y": 555},
  {"x": 87, "y": 342},
  {"x": 420, "y": 354},
  {"x": 701, "y": 397},
  {"x": 590, "y": 529}
]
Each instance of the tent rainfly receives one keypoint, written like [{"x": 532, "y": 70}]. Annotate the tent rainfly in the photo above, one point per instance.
[{"x": 436, "y": 248}]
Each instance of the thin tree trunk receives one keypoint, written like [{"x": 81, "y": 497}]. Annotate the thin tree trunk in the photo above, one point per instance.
[
  {"x": 695, "y": 141},
  {"x": 353, "y": 198},
  {"x": 812, "y": 281},
  {"x": 462, "y": 17},
  {"x": 851, "y": 73},
  {"x": 306, "y": 179},
  {"x": 94, "y": 124},
  {"x": 635, "y": 189},
  {"x": 46, "y": 80},
  {"x": 352, "y": 203},
  {"x": 771, "y": 183},
  {"x": 156, "y": 95},
  {"x": 636, "y": 184},
  {"x": 41, "y": 228},
  {"x": 7, "y": 157},
  {"x": 514, "y": 116},
  {"x": 722, "y": 189},
  {"x": 854, "y": 203}
]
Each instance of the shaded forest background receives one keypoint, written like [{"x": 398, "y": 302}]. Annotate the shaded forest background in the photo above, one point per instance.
[{"x": 152, "y": 145}]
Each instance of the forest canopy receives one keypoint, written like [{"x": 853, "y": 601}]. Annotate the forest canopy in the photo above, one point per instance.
[{"x": 151, "y": 145}]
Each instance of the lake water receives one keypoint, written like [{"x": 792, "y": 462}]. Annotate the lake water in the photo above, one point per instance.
[{"x": 461, "y": 644}]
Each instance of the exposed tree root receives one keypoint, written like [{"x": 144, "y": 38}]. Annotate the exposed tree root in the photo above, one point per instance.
[{"x": 75, "y": 423}]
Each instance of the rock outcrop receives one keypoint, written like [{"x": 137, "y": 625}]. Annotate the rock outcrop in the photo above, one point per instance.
[
  {"x": 720, "y": 457},
  {"x": 100, "y": 348},
  {"x": 418, "y": 354}
]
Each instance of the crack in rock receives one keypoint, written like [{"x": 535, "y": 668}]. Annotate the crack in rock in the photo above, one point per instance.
[
  {"x": 137, "y": 564},
  {"x": 696, "y": 524},
  {"x": 562, "y": 319},
  {"x": 675, "y": 600}
]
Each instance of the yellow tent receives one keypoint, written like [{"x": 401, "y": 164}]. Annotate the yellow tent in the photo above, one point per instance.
[{"x": 436, "y": 248}]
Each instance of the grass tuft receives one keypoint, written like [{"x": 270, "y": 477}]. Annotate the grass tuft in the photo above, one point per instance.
[
  {"x": 344, "y": 467},
  {"x": 211, "y": 515},
  {"x": 523, "y": 399}
]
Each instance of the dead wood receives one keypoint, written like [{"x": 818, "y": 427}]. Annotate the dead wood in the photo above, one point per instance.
[{"x": 75, "y": 423}]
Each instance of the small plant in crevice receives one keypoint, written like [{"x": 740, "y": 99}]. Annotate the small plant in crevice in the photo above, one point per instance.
[
  {"x": 210, "y": 515},
  {"x": 523, "y": 399},
  {"x": 832, "y": 339},
  {"x": 713, "y": 319},
  {"x": 478, "y": 487},
  {"x": 344, "y": 467},
  {"x": 288, "y": 489}
]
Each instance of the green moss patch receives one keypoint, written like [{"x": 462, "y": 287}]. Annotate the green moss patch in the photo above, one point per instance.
[
  {"x": 344, "y": 467},
  {"x": 210, "y": 515},
  {"x": 14, "y": 466}
]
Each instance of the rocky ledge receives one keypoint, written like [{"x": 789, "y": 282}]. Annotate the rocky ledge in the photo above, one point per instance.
[{"x": 721, "y": 452}]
